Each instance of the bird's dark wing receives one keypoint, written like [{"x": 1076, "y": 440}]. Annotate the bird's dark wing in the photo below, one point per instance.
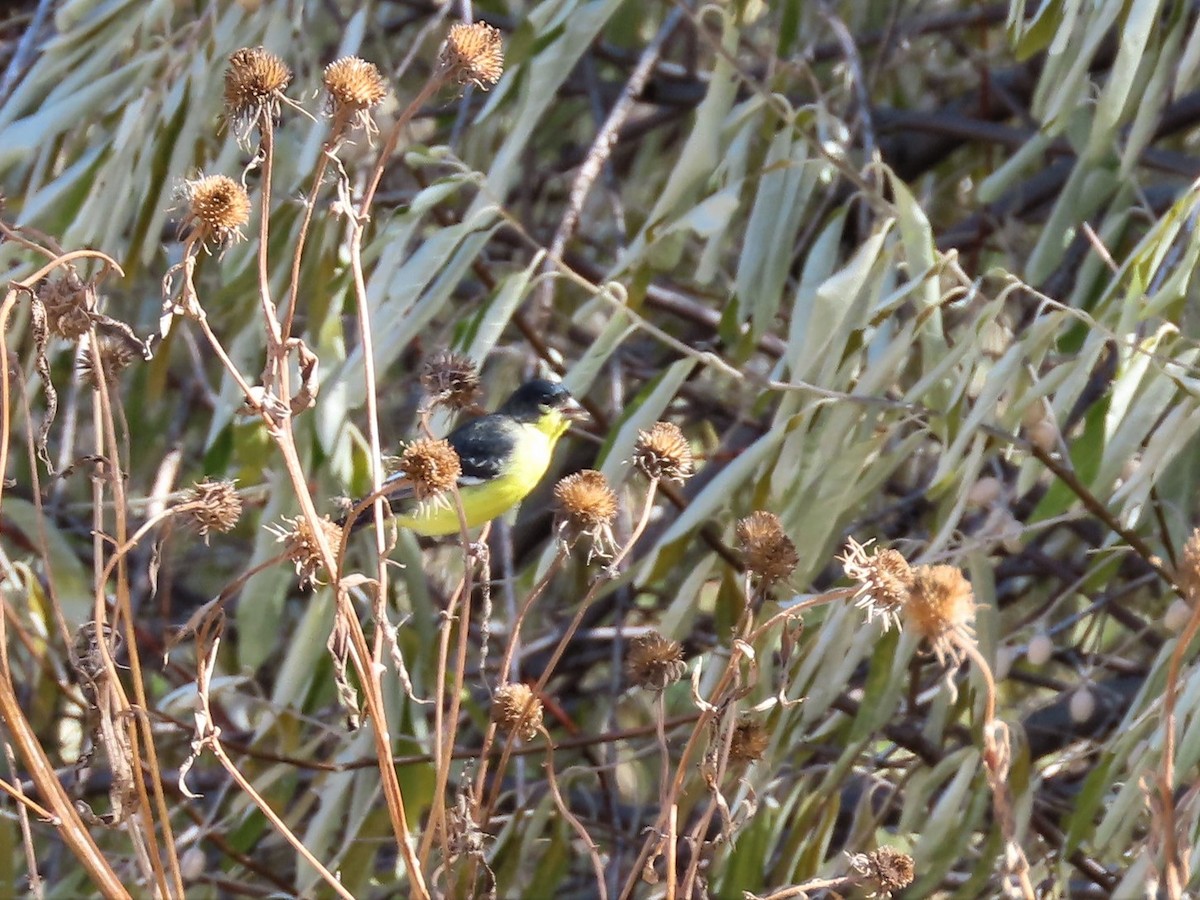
[{"x": 484, "y": 447}]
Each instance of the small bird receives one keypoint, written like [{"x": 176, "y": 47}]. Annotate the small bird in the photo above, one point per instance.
[{"x": 503, "y": 456}]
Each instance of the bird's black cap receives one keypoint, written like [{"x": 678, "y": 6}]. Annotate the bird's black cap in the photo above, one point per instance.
[{"x": 530, "y": 400}]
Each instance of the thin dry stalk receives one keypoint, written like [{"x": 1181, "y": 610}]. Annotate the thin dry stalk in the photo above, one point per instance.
[
  {"x": 1175, "y": 874},
  {"x": 24, "y": 804},
  {"x": 565, "y": 812}
]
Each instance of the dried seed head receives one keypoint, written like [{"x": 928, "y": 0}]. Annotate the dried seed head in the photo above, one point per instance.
[
  {"x": 653, "y": 661},
  {"x": 69, "y": 304},
  {"x": 302, "y": 546},
  {"x": 432, "y": 466},
  {"x": 114, "y": 357},
  {"x": 354, "y": 84},
  {"x": 887, "y": 868},
  {"x": 587, "y": 506},
  {"x": 474, "y": 54},
  {"x": 749, "y": 742},
  {"x": 254, "y": 84},
  {"x": 769, "y": 554},
  {"x": 515, "y": 709},
  {"x": 663, "y": 453},
  {"x": 941, "y": 608},
  {"x": 1187, "y": 576},
  {"x": 451, "y": 380},
  {"x": 212, "y": 506},
  {"x": 218, "y": 207},
  {"x": 885, "y": 581}
]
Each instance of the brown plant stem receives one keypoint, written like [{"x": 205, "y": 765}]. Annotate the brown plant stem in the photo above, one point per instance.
[{"x": 1172, "y": 862}]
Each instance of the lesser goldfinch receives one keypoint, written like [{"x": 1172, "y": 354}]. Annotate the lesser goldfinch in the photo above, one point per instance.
[{"x": 503, "y": 456}]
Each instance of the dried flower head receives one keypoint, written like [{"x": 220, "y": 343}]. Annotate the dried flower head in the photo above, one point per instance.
[
  {"x": 662, "y": 453},
  {"x": 749, "y": 742},
  {"x": 432, "y": 466},
  {"x": 654, "y": 661},
  {"x": 212, "y": 506},
  {"x": 515, "y": 708},
  {"x": 474, "y": 54},
  {"x": 1187, "y": 576},
  {"x": 69, "y": 303},
  {"x": 254, "y": 84},
  {"x": 354, "y": 85},
  {"x": 114, "y": 357},
  {"x": 218, "y": 207},
  {"x": 769, "y": 554},
  {"x": 886, "y": 868},
  {"x": 884, "y": 578},
  {"x": 302, "y": 546},
  {"x": 587, "y": 506},
  {"x": 450, "y": 379},
  {"x": 941, "y": 608}
]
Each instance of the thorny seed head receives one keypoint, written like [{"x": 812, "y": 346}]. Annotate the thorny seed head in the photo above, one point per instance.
[
  {"x": 885, "y": 580},
  {"x": 432, "y": 466},
  {"x": 769, "y": 554},
  {"x": 450, "y": 379},
  {"x": 663, "y": 453},
  {"x": 654, "y": 661},
  {"x": 516, "y": 709},
  {"x": 302, "y": 547},
  {"x": 69, "y": 304},
  {"x": 941, "y": 608},
  {"x": 1187, "y": 576},
  {"x": 218, "y": 207},
  {"x": 254, "y": 84},
  {"x": 887, "y": 868},
  {"x": 86, "y": 656},
  {"x": 474, "y": 54},
  {"x": 587, "y": 506},
  {"x": 749, "y": 742},
  {"x": 354, "y": 85},
  {"x": 115, "y": 356},
  {"x": 212, "y": 506}
]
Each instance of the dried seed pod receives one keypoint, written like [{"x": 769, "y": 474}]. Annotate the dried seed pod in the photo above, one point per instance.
[
  {"x": 654, "y": 661},
  {"x": 302, "y": 546},
  {"x": 886, "y": 867},
  {"x": 940, "y": 608},
  {"x": 769, "y": 554},
  {"x": 451, "y": 380},
  {"x": 354, "y": 84},
  {"x": 432, "y": 466},
  {"x": 254, "y": 83},
  {"x": 749, "y": 742},
  {"x": 114, "y": 357},
  {"x": 1187, "y": 576},
  {"x": 515, "y": 709},
  {"x": 212, "y": 506},
  {"x": 663, "y": 453},
  {"x": 474, "y": 54},
  {"x": 885, "y": 581},
  {"x": 218, "y": 208},
  {"x": 69, "y": 303},
  {"x": 587, "y": 506}
]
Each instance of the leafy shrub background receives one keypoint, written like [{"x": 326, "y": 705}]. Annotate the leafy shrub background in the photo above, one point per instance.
[{"x": 919, "y": 273}]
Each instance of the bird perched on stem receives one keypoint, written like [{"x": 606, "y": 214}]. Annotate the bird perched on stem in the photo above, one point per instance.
[{"x": 501, "y": 457}]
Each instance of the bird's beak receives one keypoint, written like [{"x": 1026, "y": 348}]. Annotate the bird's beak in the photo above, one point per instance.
[{"x": 573, "y": 411}]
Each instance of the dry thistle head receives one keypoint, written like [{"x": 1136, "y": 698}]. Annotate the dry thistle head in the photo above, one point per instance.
[
  {"x": 1187, "y": 576},
  {"x": 432, "y": 466},
  {"x": 885, "y": 581},
  {"x": 769, "y": 554},
  {"x": 662, "y": 453},
  {"x": 886, "y": 868},
  {"x": 941, "y": 608},
  {"x": 515, "y": 708},
  {"x": 114, "y": 357},
  {"x": 654, "y": 661},
  {"x": 473, "y": 54},
  {"x": 587, "y": 506},
  {"x": 750, "y": 740},
  {"x": 354, "y": 86},
  {"x": 212, "y": 506},
  {"x": 302, "y": 546},
  {"x": 450, "y": 379},
  {"x": 69, "y": 304},
  {"x": 218, "y": 207},
  {"x": 254, "y": 84}
]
